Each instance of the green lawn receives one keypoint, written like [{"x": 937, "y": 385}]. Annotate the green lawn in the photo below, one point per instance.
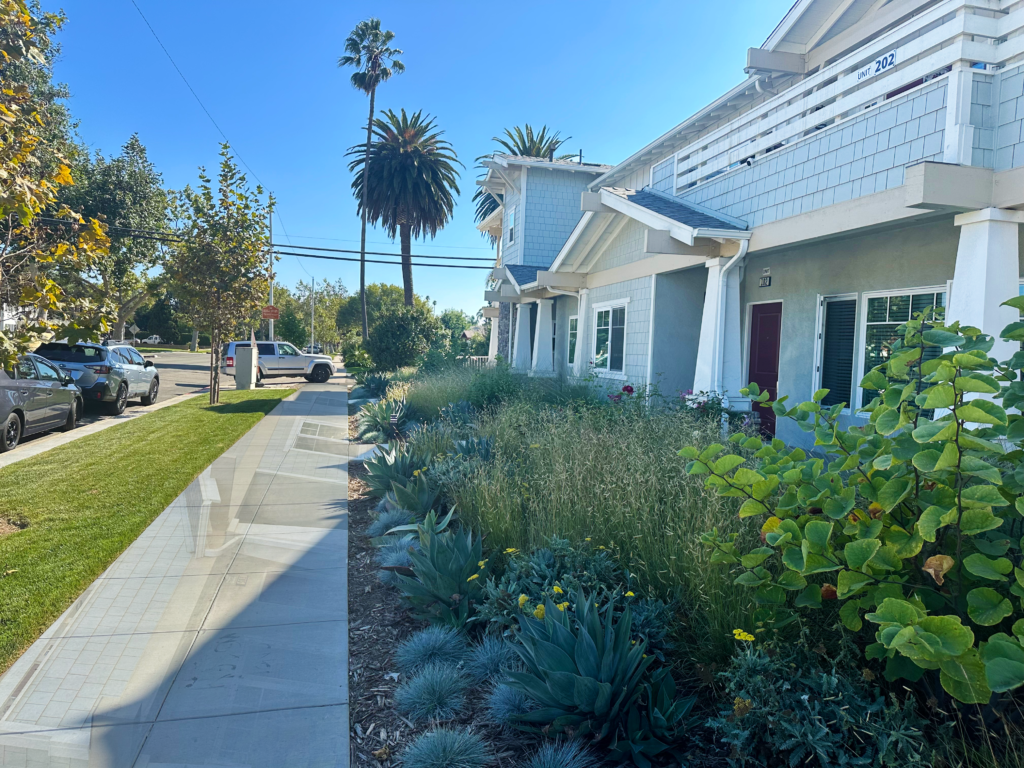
[{"x": 85, "y": 502}]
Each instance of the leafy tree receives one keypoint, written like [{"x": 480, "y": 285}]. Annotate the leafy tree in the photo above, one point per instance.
[
  {"x": 125, "y": 192},
  {"x": 328, "y": 299},
  {"x": 911, "y": 522},
  {"x": 219, "y": 269},
  {"x": 368, "y": 49},
  {"x": 378, "y": 296},
  {"x": 521, "y": 142},
  {"x": 413, "y": 177},
  {"x": 400, "y": 334},
  {"x": 291, "y": 328},
  {"x": 32, "y": 251}
]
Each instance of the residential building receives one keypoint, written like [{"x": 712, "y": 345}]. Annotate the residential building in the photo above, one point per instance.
[{"x": 870, "y": 165}]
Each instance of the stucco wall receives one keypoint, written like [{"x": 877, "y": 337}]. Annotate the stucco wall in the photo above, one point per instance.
[
  {"x": 912, "y": 257},
  {"x": 552, "y": 210},
  {"x": 678, "y": 304},
  {"x": 858, "y": 157}
]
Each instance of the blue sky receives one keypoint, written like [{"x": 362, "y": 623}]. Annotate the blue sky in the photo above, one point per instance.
[{"x": 610, "y": 74}]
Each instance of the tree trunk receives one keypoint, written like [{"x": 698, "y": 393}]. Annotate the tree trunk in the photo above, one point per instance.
[
  {"x": 194, "y": 346},
  {"x": 405, "y": 231},
  {"x": 362, "y": 233},
  {"x": 117, "y": 332}
]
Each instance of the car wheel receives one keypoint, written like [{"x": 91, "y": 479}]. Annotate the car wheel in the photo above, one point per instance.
[
  {"x": 72, "y": 420},
  {"x": 154, "y": 391},
  {"x": 321, "y": 374},
  {"x": 11, "y": 434},
  {"x": 117, "y": 407},
  {"x": 259, "y": 375}
]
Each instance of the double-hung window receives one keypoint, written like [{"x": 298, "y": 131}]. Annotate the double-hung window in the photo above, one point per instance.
[
  {"x": 573, "y": 336},
  {"x": 512, "y": 224},
  {"x": 609, "y": 338},
  {"x": 886, "y": 313}
]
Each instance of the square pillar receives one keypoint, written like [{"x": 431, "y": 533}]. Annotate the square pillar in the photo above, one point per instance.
[
  {"x": 522, "y": 361},
  {"x": 543, "y": 358},
  {"x": 579, "y": 367},
  {"x": 705, "y": 374},
  {"x": 987, "y": 274},
  {"x": 731, "y": 354}
]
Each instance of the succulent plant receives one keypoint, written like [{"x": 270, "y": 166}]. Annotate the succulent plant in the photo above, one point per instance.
[
  {"x": 394, "y": 464},
  {"x": 383, "y": 421}
]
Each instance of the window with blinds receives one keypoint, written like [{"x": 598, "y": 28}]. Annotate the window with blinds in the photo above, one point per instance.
[{"x": 837, "y": 350}]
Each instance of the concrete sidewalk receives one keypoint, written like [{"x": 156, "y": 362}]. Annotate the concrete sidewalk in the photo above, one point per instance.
[{"x": 220, "y": 637}]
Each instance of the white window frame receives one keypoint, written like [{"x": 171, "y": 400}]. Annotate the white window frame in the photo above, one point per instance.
[
  {"x": 819, "y": 344},
  {"x": 570, "y": 351},
  {"x": 862, "y": 330},
  {"x": 605, "y": 373}
]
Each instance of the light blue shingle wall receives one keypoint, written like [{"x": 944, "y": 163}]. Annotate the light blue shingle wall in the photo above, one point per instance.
[
  {"x": 627, "y": 247},
  {"x": 1010, "y": 119},
  {"x": 863, "y": 155},
  {"x": 638, "y": 326},
  {"x": 552, "y": 210},
  {"x": 983, "y": 118}
]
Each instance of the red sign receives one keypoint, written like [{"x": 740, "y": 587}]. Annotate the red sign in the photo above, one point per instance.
[{"x": 271, "y": 313}]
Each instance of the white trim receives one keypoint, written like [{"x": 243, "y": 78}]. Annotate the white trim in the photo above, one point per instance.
[
  {"x": 862, "y": 332},
  {"x": 650, "y": 333},
  {"x": 819, "y": 342},
  {"x": 610, "y": 306},
  {"x": 745, "y": 335},
  {"x": 570, "y": 364}
]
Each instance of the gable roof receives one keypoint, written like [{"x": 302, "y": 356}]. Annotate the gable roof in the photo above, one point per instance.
[
  {"x": 521, "y": 274},
  {"x": 677, "y": 210}
]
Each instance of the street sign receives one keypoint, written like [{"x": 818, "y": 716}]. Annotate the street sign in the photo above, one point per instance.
[
  {"x": 134, "y": 328},
  {"x": 271, "y": 313}
]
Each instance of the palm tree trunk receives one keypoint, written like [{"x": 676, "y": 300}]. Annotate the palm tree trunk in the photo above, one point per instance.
[
  {"x": 405, "y": 231},
  {"x": 362, "y": 233}
]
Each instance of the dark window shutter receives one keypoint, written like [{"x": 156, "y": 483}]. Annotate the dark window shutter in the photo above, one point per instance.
[{"x": 837, "y": 351}]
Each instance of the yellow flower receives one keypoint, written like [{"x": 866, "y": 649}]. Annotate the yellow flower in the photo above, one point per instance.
[
  {"x": 474, "y": 576},
  {"x": 416, "y": 473},
  {"x": 511, "y": 551},
  {"x": 538, "y": 612},
  {"x": 535, "y": 445},
  {"x": 557, "y": 590},
  {"x": 739, "y": 634},
  {"x": 563, "y": 606},
  {"x": 587, "y": 539},
  {"x": 630, "y": 594},
  {"x": 523, "y": 600},
  {"x": 601, "y": 547},
  {"x": 482, "y": 563}
]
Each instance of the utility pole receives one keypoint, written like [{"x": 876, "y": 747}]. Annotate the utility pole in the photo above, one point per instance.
[
  {"x": 270, "y": 265},
  {"x": 312, "y": 312}
]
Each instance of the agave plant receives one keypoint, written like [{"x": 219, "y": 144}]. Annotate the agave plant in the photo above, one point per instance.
[
  {"x": 475, "y": 447},
  {"x": 585, "y": 674},
  {"x": 383, "y": 421},
  {"x": 418, "y": 495},
  {"x": 656, "y": 725},
  {"x": 375, "y": 384},
  {"x": 449, "y": 573},
  {"x": 394, "y": 464}
]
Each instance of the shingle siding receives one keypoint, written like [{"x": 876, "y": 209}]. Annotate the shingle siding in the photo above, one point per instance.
[
  {"x": 638, "y": 324},
  {"x": 627, "y": 247},
  {"x": 1009, "y": 137},
  {"x": 983, "y": 118},
  {"x": 552, "y": 211},
  {"x": 864, "y": 155}
]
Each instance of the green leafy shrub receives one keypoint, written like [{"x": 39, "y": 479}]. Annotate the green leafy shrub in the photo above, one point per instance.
[
  {"x": 393, "y": 464},
  {"x": 788, "y": 709},
  {"x": 400, "y": 334},
  {"x": 431, "y": 646},
  {"x": 584, "y": 675},
  {"x": 494, "y": 386},
  {"x": 449, "y": 571},
  {"x": 490, "y": 660},
  {"x": 505, "y": 705},
  {"x": 563, "y": 754},
  {"x": 444, "y": 748},
  {"x": 375, "y": 424},
  {"x": 436, "y": 692},
  {"x": 912, "y": 521}
]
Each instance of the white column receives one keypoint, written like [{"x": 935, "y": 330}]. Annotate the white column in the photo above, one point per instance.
[
  {"x": 543, "y": 359},
  {"x": 579, "y": 367},
  {"x": 492, "y": 350},
  {"x": 958, "y": 141},
  {"x": 987, "y": 274},
  {"x": 730, "y": 356},
  {"x": 704, "y": 379},
  {"x": 522, "y": 331}
]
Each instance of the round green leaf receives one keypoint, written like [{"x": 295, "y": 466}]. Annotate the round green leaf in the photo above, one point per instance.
[
  {"x": 987, "y": 607},
  {"x": 860, "y": 551},
  {"x": 986, "y": 568}
]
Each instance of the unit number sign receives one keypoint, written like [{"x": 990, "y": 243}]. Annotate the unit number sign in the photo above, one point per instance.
[{"x": 883, "y": 63}]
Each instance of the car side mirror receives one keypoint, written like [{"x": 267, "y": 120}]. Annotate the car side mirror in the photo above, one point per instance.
[{"x": 148, "y": 364}]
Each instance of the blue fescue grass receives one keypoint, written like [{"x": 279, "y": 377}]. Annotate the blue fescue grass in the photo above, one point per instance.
[
  {"x": 388, "y": 519},
  {"x": 490, "y": 660},
  {"x": 394, "y": 554},
  {"x": 564, "y": 754},
  {"x": 433, "y": 645},
  {"x": 504, "y": 703},
  {"x": 446, "y": 748},
  {"x": 437, "y": 692}
]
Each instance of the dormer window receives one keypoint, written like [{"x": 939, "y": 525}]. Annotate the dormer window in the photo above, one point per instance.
[{"x": 511, "y": 226}]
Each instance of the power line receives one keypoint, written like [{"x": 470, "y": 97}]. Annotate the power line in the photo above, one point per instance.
[
  {"x": 196, "y": 95},
  {"x": 376, "y": 261},
  {"x": 382, "y": 253},
  {"x": 381, "y": 242}
]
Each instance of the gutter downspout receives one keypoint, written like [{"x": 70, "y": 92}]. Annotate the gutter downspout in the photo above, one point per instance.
[{"x": 720, "y": 340}]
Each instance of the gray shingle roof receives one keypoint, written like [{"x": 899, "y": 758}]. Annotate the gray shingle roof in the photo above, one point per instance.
[
  {"x": 523, "y": 275},
  {"x": 674, "y": 209},
  {"x": 569, "y": 163}
]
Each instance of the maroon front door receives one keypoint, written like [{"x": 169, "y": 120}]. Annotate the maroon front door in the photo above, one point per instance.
[{"x": 765, "y": 333}]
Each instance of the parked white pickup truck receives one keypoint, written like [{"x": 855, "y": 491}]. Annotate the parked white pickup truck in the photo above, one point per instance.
[{"x": 279, "y": 358}]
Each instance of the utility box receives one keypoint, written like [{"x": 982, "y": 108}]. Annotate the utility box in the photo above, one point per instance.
[{"x": 245, "y": 367}]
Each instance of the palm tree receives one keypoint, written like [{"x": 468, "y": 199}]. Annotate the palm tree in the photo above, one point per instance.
[
  {"x": 414, "y": 178},
  {"x": 367, "y": 49},
  {"x": 522, "y": 142}
]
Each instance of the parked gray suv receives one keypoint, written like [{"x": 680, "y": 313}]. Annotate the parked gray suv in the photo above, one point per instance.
[
  {"x": 111, "y": 374},
  {"x": 35, "y": 397}
]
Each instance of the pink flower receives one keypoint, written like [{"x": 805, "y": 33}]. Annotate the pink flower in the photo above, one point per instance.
[{"x": 627, "y": 389}]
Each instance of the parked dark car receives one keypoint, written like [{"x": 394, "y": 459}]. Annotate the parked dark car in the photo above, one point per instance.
[
  {"x": 35, "y": 396},
  {"x": 106, "y": 373}
]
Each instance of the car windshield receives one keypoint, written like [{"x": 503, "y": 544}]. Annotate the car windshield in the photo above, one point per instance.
[{"x": 63, "y": 353}]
